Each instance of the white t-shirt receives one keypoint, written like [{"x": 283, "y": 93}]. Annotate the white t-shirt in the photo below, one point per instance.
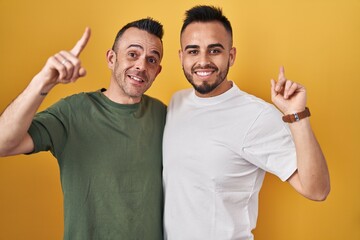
[{"x": 216, "y": 152}]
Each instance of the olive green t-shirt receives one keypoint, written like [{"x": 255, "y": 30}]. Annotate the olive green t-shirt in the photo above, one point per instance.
[{"x": 110, "y": 159}]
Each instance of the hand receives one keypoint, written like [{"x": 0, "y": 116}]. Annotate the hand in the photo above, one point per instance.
[
  {"x": 65, "y": 66},
  {"x": 289, "y": 97}
]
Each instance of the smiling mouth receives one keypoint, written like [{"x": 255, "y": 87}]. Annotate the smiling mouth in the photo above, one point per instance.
[
  {"x": 204, "y": 71},
  {"x": 135, "y": 78},
  {"x": 203, "y": 74}
]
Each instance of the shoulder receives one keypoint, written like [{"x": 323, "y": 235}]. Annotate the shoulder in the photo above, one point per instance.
[
  {"x": 257, "y": 111},
  {"x": 81, "y": 98},
  {"x": 72, "y": 98},
  {"x": 248, "y": 105},
  {"x": 154, "y": 105},
  {"x": 154, "y": 101},
  {"x": 184, "y": 93},
  {"x": 75, "y": 102},
  {"x": 180, "y": 96}
]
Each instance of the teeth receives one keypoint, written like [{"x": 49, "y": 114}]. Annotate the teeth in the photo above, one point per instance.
[
  {"x": 203, "y": 73},
  {"x": 136, "y": 79}
]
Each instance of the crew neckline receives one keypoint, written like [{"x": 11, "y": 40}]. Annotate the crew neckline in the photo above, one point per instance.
[
  {"x": 216, "y": 99},
  {"x": 133, "y": 106}
]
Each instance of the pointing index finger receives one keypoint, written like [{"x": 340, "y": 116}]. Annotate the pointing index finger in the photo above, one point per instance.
[
  {"x": 80, "y": 45},
  {"x": 281, "y": 80},
  {"x": 282, "y": 73}
]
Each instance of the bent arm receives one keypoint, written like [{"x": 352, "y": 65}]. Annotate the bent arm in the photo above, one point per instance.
[
  {"x": 64, "y": 67},
  {"x": 312, "y": 178},
  {"x": 16, "y": 119}
]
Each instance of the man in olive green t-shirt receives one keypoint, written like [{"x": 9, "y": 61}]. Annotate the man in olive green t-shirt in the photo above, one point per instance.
[{"x": 107, "y": 142}]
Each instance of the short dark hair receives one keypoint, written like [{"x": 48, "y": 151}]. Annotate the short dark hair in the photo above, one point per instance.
[
  {"x": 204, "y": 13},
  {"x": 147, "y": 24}
]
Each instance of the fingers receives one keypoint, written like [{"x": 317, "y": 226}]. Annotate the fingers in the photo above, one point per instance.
[
  {"x": 81, "y": 44},
  {"x": 68, "y": 66},
  {"x": 290, "y": 89},
  {"x": 284, "y": 86},
  {"x": 273, "y": 92},
  {"x": 287, "y": 89}
]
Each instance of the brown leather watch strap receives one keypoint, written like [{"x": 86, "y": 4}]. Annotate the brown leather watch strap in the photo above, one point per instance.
[{"x": 296, "y": 116}]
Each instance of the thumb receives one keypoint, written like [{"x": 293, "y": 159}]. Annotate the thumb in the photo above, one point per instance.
[
  {"x": 273, "y": 92},
  {"x": 82, "y": 72}
]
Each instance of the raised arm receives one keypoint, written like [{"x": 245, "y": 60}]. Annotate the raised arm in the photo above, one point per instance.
[
  {"x": 64, "y": 67},
  {"x": 312, "y": 177}
]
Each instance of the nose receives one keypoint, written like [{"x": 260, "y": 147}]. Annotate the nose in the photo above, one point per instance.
[
  {"x": 204, "y": 59},
  {"x": 140, "y": 64}
]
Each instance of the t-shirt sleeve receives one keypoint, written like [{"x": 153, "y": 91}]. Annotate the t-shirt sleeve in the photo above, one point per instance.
[
  {"x": 48, "y": 129},
  {"x": 269, "y": 144}
]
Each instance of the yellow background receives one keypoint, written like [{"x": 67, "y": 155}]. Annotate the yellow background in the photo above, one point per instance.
[{"x": 318, "y": 42}]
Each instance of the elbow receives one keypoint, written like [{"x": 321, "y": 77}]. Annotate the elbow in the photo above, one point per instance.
[
  {"x": 16, "y": 146},
  {"x": 325, "y": 194},
  {"x": 320, "y": 197},
  {"x": 4, "y": 152},
  {"x": 324, "y": 191},
  {"x": 321, "y": 194},
  {"x": 7, "y": 148}
]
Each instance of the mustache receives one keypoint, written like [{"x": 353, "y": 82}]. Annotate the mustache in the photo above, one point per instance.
[{"x": 206, "y": 66}]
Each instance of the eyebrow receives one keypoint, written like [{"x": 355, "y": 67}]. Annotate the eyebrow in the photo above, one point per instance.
[
  {"x": 142, "y": 48},
  {"x": 191, "y": 46},
  {"x": 216, "y": 45},
  {"x": 209, "y": 46}
]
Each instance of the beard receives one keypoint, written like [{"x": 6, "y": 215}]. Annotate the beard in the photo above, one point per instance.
[{"x": 206, "y": 87}]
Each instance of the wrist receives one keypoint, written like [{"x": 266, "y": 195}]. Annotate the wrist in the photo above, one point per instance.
[
  {"x": 41, "y": 87},
  {"x": 297, "y": 116}
]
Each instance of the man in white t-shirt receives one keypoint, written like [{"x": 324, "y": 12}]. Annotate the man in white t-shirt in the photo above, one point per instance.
[{"x": 219, "y": 141}]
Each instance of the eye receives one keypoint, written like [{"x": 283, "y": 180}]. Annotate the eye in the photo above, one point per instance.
[
  {"x": 152, "y": 60},
  {"x": 132, "y": 54},
  {"x": 215, "y": 51},
  {"x": 193, "y": 52}
]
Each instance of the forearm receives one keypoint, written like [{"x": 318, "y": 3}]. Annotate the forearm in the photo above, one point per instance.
[
  {"x": 313, "y": 175},
  {"x": 63, "y": 67},
  {"x": 17, "y": 117}
]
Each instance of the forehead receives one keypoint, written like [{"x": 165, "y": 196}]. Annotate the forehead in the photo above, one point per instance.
[
  {"x": 205, "y": 33},
  {"x": 134, "y": 36}
]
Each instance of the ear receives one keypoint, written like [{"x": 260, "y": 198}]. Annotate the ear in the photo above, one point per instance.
[
  {"x": 111, "y": 58},
  {"x": 181, "y": 56},
  {"x": 159, "y": 70},
  {"x": 232, "y": 56}
]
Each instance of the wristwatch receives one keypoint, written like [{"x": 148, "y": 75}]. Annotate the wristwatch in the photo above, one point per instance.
[{"x": 296, "y": 116}]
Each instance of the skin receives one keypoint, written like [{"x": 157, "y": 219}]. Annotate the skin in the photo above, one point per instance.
[
  {"x": 312, "y": 178},
  {"x": 206, "y": 55},
  {"x": 62, "y": 68},
  {"x": 134, "y": 67}
]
